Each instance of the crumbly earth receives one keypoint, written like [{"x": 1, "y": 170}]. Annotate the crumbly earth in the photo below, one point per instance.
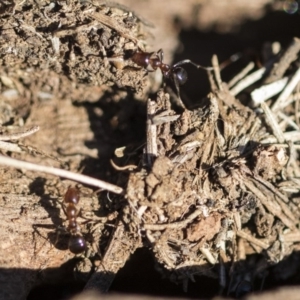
[{"x": 65, "y": 66}]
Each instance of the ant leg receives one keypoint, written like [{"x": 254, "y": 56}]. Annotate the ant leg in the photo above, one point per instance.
[
  {"x": 64, "y": 208},
  {"x": 177, "y": 83},
  {"x": 59, "y": 231},
  {"x": 87, "y": 220},
  {"x": 35, "y": 239},
  {"x": 160, "y": 54}
]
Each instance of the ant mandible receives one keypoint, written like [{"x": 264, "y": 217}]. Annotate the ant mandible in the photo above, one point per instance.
[{"x": 77, "y": 243}]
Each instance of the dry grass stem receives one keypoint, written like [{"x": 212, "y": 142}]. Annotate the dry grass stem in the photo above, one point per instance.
[
  {"x": 18, "y": 135},
  {"x": 266, "y": 92},
  {"x": 271, "y": 120},
  {"x": 252, "y": 239},
  {"x": 247, "y": 81},
  {"x": 290, "y": 55},
  {"x": 10, "y": 162},
  {"x": 287, "y": 91},
  {"x": 241, "y": 75}
]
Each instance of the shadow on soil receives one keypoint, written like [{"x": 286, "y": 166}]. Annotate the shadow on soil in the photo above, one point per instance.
[
  {"x": 139, "y": 276},
  {"x": 248, "y": 39},
  {"x": 121, "y": 123}
]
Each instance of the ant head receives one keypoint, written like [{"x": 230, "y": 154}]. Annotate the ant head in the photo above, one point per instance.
[
  {"x": 77, "y": 244},
  {"x": 180, "y": 75}
]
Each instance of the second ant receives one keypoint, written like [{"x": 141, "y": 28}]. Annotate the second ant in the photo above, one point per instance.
[{"x": 77, "y": 243}]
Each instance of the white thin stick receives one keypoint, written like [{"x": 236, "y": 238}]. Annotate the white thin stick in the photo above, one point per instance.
[
  {"x": 297, "y": 147},
  {"x": 287, "y": 91},
  {"x": 288, "y": 120},
  {"x": 270, "y": 118},
  {"x": 208, "y": 255},
  {"x": 241, "y": 75},
  {"x": 252, "y": 239},
  {"x": 267, "y": 91},
  {"x": 292, "y": 136},
  {"x": 11, "y": 162},
  {"x": 291, "y": 237},
  {"x": 247, "y": 81},
  {"x": 18, "y": 135},
  {"x": 151, "y": 147},
  {"x": 292, "y": 98},
  {"x": 10, "y": 147}
]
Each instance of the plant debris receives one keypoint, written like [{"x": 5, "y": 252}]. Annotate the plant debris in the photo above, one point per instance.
[{"x": 214, "y": 193}]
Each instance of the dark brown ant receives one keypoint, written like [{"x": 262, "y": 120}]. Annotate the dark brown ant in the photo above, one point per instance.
[
  {"x": 155, "y": 60},
  {"x": 152, "y": 61},
  {"x": 77, "y": 243}
]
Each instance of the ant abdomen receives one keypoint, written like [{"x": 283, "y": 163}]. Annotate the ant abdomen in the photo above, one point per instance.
[
  {"x": 181, "y": 75},
  {"x": 77, "y": 244}
]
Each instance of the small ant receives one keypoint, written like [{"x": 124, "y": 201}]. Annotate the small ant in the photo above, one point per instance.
[
  {"x": 77, "y": 243},
  {"x": 155, "y": 60}
]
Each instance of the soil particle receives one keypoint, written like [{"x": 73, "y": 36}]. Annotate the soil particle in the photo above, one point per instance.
[{"x": 205, "y": 229}]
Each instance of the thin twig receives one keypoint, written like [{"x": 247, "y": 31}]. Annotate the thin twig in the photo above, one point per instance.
[
  {"x": 10, "y": 147},
  {"x": 124, "y": 168},
  {"x": 241, "y": 75},
  {"x": 252, "y": 239},
  {"x": 271, "y": 206},
  {"x": 208, "y": 255},
  {"x": 112, "y": 23},
  {"x": 267, "y": 91},
  {"x": 291, "y": 237},
  {"x": 292, "y": 136},
  {"x": 270, "y": 118},
  {"x": 271, "y": 187},
  {"x": 290, "y": 55},
  {"x": 11, "y": 162},
  {"x": 151, "y": 148},
  {"x": 286, "y": 209},
  {"x": 216, "y": 68},
  {"x": 288, "y": 120},
  {"x": 18, "y": 135},
  {"x": 175, "y": 225},
  {"x": 247, "y": 81},
  {"x": 287, "y": 91}
]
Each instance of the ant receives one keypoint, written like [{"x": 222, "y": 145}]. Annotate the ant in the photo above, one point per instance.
[
  {"x": 155, "y": 60},
  {"x": 175, "y": 73},
  {"x": 77, "y": 243}
]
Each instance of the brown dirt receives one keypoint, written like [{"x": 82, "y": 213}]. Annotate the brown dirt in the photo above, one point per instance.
[{"x": 56, "y": 72}]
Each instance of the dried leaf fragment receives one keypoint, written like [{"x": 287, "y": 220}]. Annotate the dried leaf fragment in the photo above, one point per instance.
[{"x": 205, "y": 229}]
